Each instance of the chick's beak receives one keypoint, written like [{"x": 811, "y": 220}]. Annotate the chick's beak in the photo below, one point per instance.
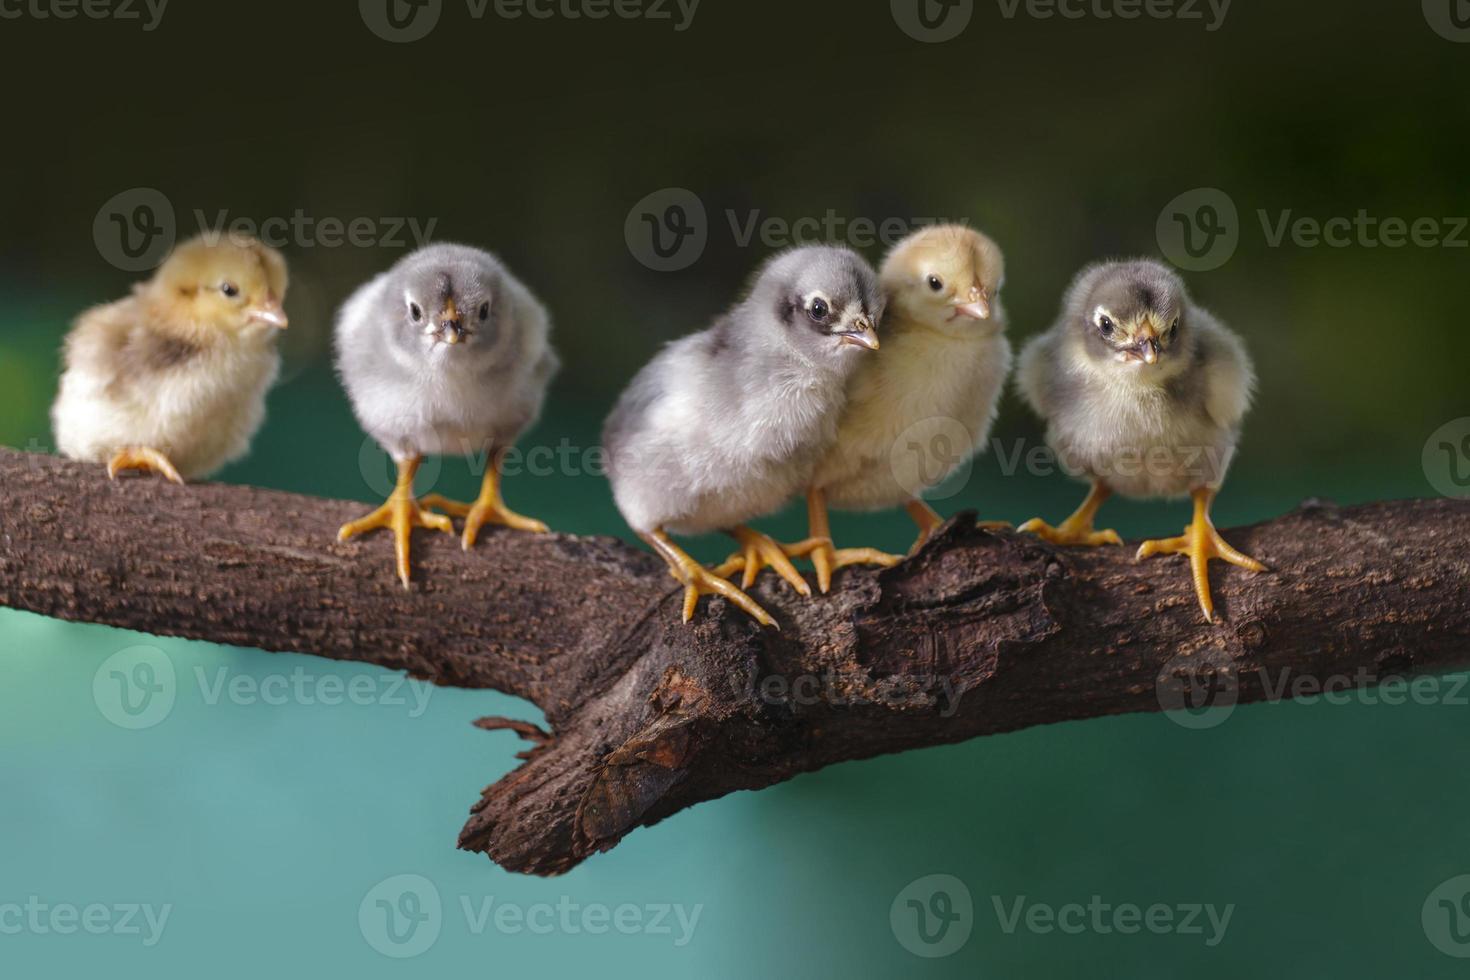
[
  {"x": 270, "y": 312},
  {"x": 1148, "y": 345},
  {"x": 450, "y": 327},
  {"x": 978, "y": 306},
  {"x": 860, "y": 333}
]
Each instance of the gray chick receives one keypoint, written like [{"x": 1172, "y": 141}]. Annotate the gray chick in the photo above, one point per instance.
[
  {"x": 728, "y": 424},
  {"x": 1143, "y": 393},
  {"x": 446, "y": 353}
]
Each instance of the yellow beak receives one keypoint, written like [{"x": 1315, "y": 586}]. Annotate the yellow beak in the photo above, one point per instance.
[
  {"x": 269, "y": 312},
  {"x": 450, "y": 327},
  {"x": 978, "y": 307}
]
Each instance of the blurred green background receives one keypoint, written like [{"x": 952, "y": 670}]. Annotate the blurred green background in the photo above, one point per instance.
[{"x": 265, "y": 826}]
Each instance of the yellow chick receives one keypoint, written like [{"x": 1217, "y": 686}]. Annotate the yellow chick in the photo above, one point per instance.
[
  {"x": 173, "y": 378},
  {"x": 925, "y": 404}
]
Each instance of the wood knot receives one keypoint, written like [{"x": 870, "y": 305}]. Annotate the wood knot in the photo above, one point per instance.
[{"x": 1253, "y": 635}]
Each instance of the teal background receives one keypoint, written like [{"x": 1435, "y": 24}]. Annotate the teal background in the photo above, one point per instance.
[{"x": 265, "y": 826}]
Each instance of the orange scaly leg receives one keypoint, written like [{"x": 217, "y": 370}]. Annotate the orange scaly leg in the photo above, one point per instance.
[
  {"x": 825, "y": 557},
  {"x": 759, "y": 550},
  {"x": 698, "y": 580},
  {"x": 1201, "y": 542},
  {"x": 401, "y": 513},
  {"x": 1077, "y": 529},
  {"x": 488, "y": 508},
  {"x": 142, "y": 458}
]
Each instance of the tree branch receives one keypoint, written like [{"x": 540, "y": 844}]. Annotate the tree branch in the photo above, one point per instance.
[{"x": 982, "y": 632}]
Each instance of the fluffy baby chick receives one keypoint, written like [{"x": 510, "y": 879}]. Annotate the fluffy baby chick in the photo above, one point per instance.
[
  {"x": 173, "y": 378},
  {"x": 1143, "y": 393},
  {"x": 925, "y": 405},
  {"x": 446, "y": 353},
  {"x": 725, "y": 425}
]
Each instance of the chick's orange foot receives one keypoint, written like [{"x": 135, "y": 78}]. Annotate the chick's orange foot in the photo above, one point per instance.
[
  {"x": 825, "y": 556},
  {"x": 759, "y": 551},
  {"x": 698, "y": 580},
  {"x": 143, "y": 458},
  {"x": 488, "y": 508},
  {"x": 1077, "y": 529},
  {"x": 401, "y": 513},
  {"x": 1201, "y": 542}
]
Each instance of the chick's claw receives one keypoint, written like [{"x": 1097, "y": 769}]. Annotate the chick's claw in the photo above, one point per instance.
[
  {"x": 1201, "y": 542},
  {"x": 759, "y": 551},
  {"x": 483, "y": 512},
  {"x": 1069, "y": 533},
  {"x": 828, "y": 559},
  {"x": 702, "y": 581},
  {"x": 401, "y": 514},
  {"x": 698, "y": 580},
  {"x": 143, "y": 458}
]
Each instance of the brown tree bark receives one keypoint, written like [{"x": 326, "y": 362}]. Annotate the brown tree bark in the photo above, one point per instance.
[{"x": 981, "y": 632}]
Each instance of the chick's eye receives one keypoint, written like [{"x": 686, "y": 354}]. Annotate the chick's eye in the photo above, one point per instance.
[
  {"x": 484, "y": 312},
  {"x": 415, "y": 312},
  {"x": 229, "y": 289},
  {"x": 1174, "y": 330},
  {"x": 819, "y": 309},
  {"x": 936, "y": 283},
  {"x": 1106, "y": 326}
]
